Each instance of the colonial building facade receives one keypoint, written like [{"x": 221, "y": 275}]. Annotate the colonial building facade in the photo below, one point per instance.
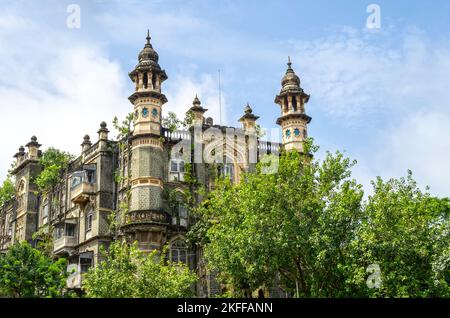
[{"x": 138, "y": 181}]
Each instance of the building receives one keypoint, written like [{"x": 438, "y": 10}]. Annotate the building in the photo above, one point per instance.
[{"x": 139, "y": 180}]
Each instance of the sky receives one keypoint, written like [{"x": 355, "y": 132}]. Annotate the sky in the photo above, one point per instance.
[{"x": 378, "y": 94}]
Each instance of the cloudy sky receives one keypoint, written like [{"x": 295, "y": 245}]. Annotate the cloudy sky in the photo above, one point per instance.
[{"x": 380, "y": 95}]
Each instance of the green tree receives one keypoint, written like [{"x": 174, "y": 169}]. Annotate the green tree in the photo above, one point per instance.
[
  {"x": 27, "y": 272},
  {"x": 128, "y": 272},
  {"x": 7, "y": 191},
  {"x": 295, "y": 224},
  {"x": 406, "y": 233},
  {"x": 53, "y": 161},
  {"x": 307, "y": 227}
]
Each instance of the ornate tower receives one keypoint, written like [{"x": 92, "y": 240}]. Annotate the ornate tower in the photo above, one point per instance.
[
  {"x": 293, "y": 119},
  {"x": 147, "y": 98},
  {"x": 146, "y": 219}
]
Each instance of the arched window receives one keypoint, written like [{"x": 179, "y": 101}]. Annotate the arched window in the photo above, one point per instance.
[
  {"x": 294, "y": 103},
  {"x": 178, "y": 251},
  {"x": 21, "y": 194},
  {"x": 145, "y": 81},
  {"x": 154, "y": 78},
  {"x": 286, "y": 104}
]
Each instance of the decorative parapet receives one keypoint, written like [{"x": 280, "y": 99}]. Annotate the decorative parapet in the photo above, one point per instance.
[{"x": 139, "y": 217}]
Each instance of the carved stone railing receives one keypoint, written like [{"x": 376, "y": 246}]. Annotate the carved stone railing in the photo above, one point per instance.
[
  {"x": 268, "y": 147},
  {"x": 176, "y": 135},
  {"x": 64, "y": 241},
  {"x": 138, "y": 217}
]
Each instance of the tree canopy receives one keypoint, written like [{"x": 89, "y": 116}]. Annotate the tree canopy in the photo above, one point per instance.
[
  {"x": 53, "y": 161},
  {"x": 28, "y": 272},
  {"x": 7, "y": 191},
  {"x": 127, "y": 272},
  {"x": 308, "y": 228}
]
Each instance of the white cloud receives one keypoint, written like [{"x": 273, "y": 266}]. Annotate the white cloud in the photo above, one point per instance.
[{"x": 398, "y": 91}]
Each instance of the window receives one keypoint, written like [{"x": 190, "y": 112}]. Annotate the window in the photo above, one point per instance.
[
  {"x": 182, "y": 213},
  {"x": 85, "y": 261},
  {"x": 226, "y": 170},
  {"x": 294, "y": 103},
  {"x": 77, "y": 178},
  {"x": 154, "y": 80},
  {"x": 59, "y": 230},
  {"x": 145, "y": 80},
  {"x": 45, "y": 209},
  {"x": 70, "y": 229},
  {"x": 176, "y": 172},
  {"x": 178, "y": 251},
  {"x": 89, "y": 220}
]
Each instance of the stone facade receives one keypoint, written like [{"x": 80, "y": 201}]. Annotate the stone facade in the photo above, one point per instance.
[{"x": 132, "y": 177}]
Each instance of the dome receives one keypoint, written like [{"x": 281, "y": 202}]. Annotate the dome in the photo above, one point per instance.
[
  {"x": 290, "y": 78},
  {"x": 148, "y": 54}
]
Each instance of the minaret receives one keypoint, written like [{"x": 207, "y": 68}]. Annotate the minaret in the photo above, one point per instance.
[
  {"x": 147, "y": 98},
  {"x": 248, "y": 121},
  {"x": 293, "y": 120},
  {"x": 146, "y": 218}
]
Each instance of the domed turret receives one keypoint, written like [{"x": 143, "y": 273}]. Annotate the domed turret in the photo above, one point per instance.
[
  {"x": 293, "y": 119},
  {"x": 148, "y": 54}
]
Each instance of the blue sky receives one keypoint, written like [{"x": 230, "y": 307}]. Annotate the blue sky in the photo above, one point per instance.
[{"x": 380, "y": 95}]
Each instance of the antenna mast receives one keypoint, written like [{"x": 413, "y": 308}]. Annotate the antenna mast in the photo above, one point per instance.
[{"x": 220, "y": 102}]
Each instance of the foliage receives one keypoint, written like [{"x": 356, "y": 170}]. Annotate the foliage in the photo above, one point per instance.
[
  {"x": 314, "y": 234},
  {"x": 7, "y": 191},
  {"x": 172, "y": 122},
  {"x": 405, "y": 232},
  {"x": 44, "y": 240},
  {"x": 128, "y": 272},
  {"x": 53, "y": 161},
  {"x": 27, "y": 272},
  {"x": 123, "y": 128}
]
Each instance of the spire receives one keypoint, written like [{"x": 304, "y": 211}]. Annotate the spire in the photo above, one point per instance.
[
  {"x": 196, "y": 101},
  {"x": 289, "y": 63},
  {"x": 196, "y": 105},
  {"x": 148, "y": 38},
  {"x": 248, "y": 114}
]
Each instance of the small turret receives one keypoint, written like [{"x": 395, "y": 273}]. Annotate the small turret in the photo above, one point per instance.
[
  {"x": 248, "y": 120},
  {"x": 103, "y": 132},
  {"x": 198, "y": 111},
  {"x": 86, "y": 143},
  {"x": 33, "y": 148}
]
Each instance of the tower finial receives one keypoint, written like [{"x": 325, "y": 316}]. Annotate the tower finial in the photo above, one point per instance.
[
  {"x": 148, "y": 36},
  {"x": 289, "y": 63}
]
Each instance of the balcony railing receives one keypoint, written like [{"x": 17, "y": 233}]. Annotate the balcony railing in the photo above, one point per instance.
[
  {"x": 81, "y": 192},
  {"x": 64, "y": 242}
]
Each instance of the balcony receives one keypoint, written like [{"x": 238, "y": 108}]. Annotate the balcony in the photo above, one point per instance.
[
  {"x": 146, "y": 217},
  {"x": 81, "y": 192},
  {"x": 64, "y": 242},
  {"x": 82, "y": 185}
]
